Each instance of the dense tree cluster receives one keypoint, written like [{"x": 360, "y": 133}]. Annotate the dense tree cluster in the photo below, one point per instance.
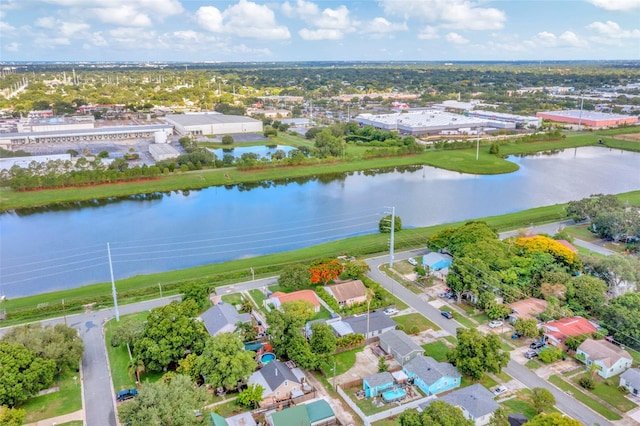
[
  {"x": 438, "y": 413},
  {"x": 60, "y": 174},
  {"x": 32, "y": 356},
  {"x": 476, "y": 353}
]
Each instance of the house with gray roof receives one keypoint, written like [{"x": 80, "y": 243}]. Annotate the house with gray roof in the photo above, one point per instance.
[
  {"x": 375, "y": 384},
  {"x": 278, "y": 382},
  {"x": 609, "y": 359},
  {"x": 475, "y": 401},
  {"x": 369, "y": 325},
  {"x": 630, "y": 379},
  {"x": 400, "y": 345},
  {"x": 430, "y": 376},
  {"x": 222, "y": 318}
]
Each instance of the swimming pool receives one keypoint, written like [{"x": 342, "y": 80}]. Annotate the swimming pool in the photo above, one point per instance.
[
  {"x": 394, "y": 395},
  {"x": 267, "y": 358}
]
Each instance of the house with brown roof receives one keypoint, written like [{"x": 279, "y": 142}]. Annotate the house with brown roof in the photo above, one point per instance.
[
  {"x": 348, "y": 293},
  {"x": 556, "y": 332},
  {"x": 278, "y": 298},
  {"x": 609, "y": 359},
  {"x": 527, "y": 309}
]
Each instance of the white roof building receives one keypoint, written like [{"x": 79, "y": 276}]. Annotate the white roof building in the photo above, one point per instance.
[{"x": 213, "y": 123}]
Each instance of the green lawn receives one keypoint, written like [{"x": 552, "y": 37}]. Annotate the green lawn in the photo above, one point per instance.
[
  {"x": 410, "y": 320},
  {"x": 71, "y": 423},
  {"x": 458, "y": 316},
  {"x": 608, "y": 393},
  {"x": 67, "y": 400},
  {"x": 229, "y": 409},
  {"x": 322, "y": 314},
  {"x": 258, "y": 296},
  {"x": 233, "y": 298},
  {"x": 520, "y": 404},
  {"x": 343, "y": 362},
  {"x": 119, "y": 358},
  {"x": 485, "y": 381},
  {"x": 532, "y": 364},
  {"x": 504, "y": 376},
  {"x": 436, "y": 350},
  {"x": 584, "y": 398}
]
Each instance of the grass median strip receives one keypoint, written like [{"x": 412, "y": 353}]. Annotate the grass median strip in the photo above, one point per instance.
[{"x": 584, "y": 398}]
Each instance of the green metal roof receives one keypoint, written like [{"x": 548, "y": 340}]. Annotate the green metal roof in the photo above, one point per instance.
[
  {"x": 319, "y": 410},
  {"x": 217, "y": 420},
  {"x": 294, "y": 416}
]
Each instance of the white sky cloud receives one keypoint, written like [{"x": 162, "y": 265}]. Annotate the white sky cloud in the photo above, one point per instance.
[
  {"x": 454, "y": 14},
  {"x": 244, "y": 19},
  {"x": 616, "y": 4},
  {"x": 456, "y": 38},
  {"x": 382, "y": 26},
  {"x": 428, "y": 33},
  {"x": 328, "y": 24},
  {"x": 613, "y": 30},
  {"x": 548, "y": 39}
]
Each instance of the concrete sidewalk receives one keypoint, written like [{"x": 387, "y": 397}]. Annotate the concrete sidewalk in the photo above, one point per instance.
[{"x": 78, "y": 415}]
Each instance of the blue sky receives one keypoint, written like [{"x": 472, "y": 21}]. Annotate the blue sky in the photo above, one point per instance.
[{"x": 301, "y": 30}]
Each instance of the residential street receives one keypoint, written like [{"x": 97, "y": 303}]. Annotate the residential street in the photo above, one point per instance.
[{"x": 564, "y": 402}]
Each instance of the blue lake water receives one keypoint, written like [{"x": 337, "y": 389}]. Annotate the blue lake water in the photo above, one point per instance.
[{"x": 66, "y": 247}]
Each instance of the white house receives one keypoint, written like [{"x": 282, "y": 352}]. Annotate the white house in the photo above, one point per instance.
[
  {"x": 630, "y": 379},
  {"x": 609, "y": 359}
]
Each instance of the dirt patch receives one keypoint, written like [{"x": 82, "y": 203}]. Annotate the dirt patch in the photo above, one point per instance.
[{"x": 633, "y": 137}]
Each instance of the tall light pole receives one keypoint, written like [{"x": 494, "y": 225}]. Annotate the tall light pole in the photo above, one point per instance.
[
  {"x": 113, "y": 285},
  {"x": 391, "y": 243}
]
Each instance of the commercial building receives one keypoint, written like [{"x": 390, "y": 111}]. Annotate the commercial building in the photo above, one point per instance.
[
  {"x": 588, "y": 118},
  {"x": 431, "y": 122},
  {"x": 162, "y": 151},
  {"x": 520, "y": 120},
  {"x": 84, "y": 135},
  {"x": 213, "y": 123},
  {"x": 55, "y": 124}
]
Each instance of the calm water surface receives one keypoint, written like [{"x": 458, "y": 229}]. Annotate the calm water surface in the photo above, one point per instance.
[{"x": 66, "y": 248}]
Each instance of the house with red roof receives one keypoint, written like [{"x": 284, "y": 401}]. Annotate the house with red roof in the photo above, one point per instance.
[
  {"x": 278, "y": 298},
  {"x": 556, "y": 332}
]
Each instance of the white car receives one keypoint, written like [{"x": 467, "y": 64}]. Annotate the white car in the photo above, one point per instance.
[
  {"x": 390, "y": 311},
  {"x": 495, "y": 323},
  {"x": 499, "y": 390},
  {"x": 412, "y": 261}
]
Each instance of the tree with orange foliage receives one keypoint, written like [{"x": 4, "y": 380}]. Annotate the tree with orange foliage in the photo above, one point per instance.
[
  {"x": 542, "y": 244},
  {"x": 325, "y": 271}
]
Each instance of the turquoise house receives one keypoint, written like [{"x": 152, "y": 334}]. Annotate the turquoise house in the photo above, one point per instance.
[
  {"x": 430, "y": 376},
  {"x": 375, "y": 384}
]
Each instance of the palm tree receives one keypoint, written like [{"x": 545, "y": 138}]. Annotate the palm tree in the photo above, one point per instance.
[{"x": 135, "y": 368}]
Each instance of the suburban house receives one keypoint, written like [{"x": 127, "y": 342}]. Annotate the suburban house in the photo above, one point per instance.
[
  {"x": 630, "y": 379},
  {"x": 610, "y": 359},
  {"x": 222, "y": 318},
  {"x": 400, "y": 345},
  {"x": 475, "y": 401},
  {"x": 527, "y": 309},
  {"x": 278, "y": 381},
  {"x": 348, "y": 293},
  {"x": 430, "y": 376},
  {"x": 556, "y": 332},
  {"x": 436, "y": 261},
  {"x": 369, "y": 325},
  {"x": 278, "y": 298},
  {"x": 317, "y": 412},
  {"x": 375, "y": 384},
  {"x": 242, "y": 419}
]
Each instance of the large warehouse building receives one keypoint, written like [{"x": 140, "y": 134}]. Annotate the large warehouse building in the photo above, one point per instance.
[
  {"x": 588, "y": 118},
  {"x": 430, "y": 122},
  {"x": 84, "y": 135},
  {"x": 213, "y": 123}
]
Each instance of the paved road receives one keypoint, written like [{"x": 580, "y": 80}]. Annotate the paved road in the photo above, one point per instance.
[
  {"x": 96, "y": 378},
  {"x": 564, "y": 402}
]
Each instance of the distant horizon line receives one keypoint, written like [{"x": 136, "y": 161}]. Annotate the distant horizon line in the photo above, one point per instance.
[{"x": 443, "y": 61}]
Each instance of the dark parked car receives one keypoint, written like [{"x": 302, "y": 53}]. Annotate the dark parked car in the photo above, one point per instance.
[
  {"x": 123, "y": 395},
  {"x": 447, "y": 314}
]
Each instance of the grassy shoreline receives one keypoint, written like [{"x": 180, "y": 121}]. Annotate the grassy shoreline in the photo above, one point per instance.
[
  {"x": 463, "y": 161},
  {"x": 144, "y": 287}
]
